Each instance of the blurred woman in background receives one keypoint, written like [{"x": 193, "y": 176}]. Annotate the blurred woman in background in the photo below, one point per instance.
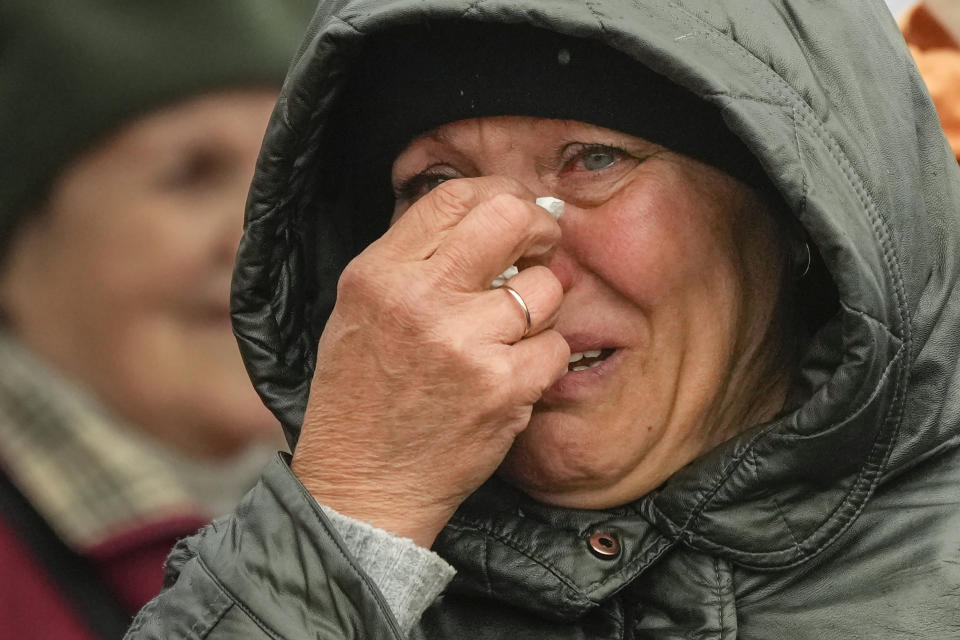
[{"x": 126, "y": 417}]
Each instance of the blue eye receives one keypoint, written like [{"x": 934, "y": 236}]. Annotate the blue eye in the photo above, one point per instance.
[
  {"x": 597, "y": 159},
  {"x": 591, "y": 157}
]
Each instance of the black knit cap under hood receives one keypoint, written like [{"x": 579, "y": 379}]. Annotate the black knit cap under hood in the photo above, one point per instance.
[{"x": 415, "y": 78}]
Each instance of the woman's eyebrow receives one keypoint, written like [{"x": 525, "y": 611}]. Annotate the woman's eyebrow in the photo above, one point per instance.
[{"x": 442, "y": 135}]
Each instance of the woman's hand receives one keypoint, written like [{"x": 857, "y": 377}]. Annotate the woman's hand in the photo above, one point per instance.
[{"x": 424, "y": 376}]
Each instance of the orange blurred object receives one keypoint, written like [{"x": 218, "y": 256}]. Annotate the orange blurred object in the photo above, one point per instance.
[{"x": 932, "y": 29}]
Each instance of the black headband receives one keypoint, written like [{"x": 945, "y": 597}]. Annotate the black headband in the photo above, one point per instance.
[
  {"x": 412, "y": 79},
  {"x": 415, "y": 78}
]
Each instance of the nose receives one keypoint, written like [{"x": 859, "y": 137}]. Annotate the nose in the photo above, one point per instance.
[
  {"x": 561, "y": 261},
  {"x": 563, "y": 265}
]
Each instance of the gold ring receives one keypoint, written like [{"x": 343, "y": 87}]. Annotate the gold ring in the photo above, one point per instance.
[{"x": 523, "y": 305}]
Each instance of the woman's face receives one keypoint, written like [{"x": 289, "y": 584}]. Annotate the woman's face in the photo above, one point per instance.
[
  {"x": 671, "y": 271},
  {"x": 122, "y": 279}
]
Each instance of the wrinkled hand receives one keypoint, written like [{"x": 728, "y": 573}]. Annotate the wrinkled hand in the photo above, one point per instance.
[{"x": 424, "y": 376}]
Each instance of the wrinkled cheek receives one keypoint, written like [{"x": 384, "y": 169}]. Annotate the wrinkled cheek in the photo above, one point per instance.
[
  {"x": 657, "y": 246},
  {"x": 647, "y": 266}
]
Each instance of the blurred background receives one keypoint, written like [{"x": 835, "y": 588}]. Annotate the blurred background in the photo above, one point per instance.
[
  {"x": 130, "y": 133},
  {"x": 898, "y": 6}
]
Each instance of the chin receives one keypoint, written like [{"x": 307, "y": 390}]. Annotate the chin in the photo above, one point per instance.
[
  {"x": 237, "y": 424},
  {"x": 564, "y": 478},
  {"x": 564, "y": 492},
  {"x": 569, "y": 461},
  {"x": 210, "y": 422},
  {"x": 224, "y": 399}
]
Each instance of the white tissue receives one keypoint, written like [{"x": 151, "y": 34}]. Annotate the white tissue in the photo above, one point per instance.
[{"x": 554, "y": 207}]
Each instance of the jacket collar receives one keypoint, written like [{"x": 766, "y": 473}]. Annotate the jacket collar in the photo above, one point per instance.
[{"x": 510, "y": 548}]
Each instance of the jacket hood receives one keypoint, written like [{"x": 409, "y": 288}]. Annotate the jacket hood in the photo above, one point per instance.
[{"x": 827, "y": 98}]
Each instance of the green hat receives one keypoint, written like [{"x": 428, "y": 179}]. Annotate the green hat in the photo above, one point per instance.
[{"x": 72, "y": 71}]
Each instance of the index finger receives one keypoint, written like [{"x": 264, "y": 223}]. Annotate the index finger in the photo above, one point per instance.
[{"x": 421, "y": 228}]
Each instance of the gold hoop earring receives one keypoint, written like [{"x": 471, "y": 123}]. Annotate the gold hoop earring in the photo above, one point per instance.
[{"x": 807, "y": 262}]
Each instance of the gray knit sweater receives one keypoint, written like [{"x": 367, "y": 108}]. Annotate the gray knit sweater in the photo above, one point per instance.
[{"x": 409, "y": 576}]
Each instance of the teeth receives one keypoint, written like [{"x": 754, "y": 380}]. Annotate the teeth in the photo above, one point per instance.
[
  {"x": 594, "y": 356},
  {"x": 584, "y": 367},
  {"x": 580, "y": 355}
]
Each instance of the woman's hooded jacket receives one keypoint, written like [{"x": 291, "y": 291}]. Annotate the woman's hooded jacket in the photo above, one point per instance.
[{"x": 839, "y": 519}]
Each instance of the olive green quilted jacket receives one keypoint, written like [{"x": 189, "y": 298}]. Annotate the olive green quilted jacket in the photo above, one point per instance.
[{"x": 840, "y": 519}]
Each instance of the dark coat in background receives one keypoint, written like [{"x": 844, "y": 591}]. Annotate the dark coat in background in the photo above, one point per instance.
[{"x": 841, "y": 519}]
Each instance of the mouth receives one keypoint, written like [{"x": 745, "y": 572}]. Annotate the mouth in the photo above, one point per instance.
[
  {"x": 587, "y": 373},
  {"x": 591, "y": 359}
]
